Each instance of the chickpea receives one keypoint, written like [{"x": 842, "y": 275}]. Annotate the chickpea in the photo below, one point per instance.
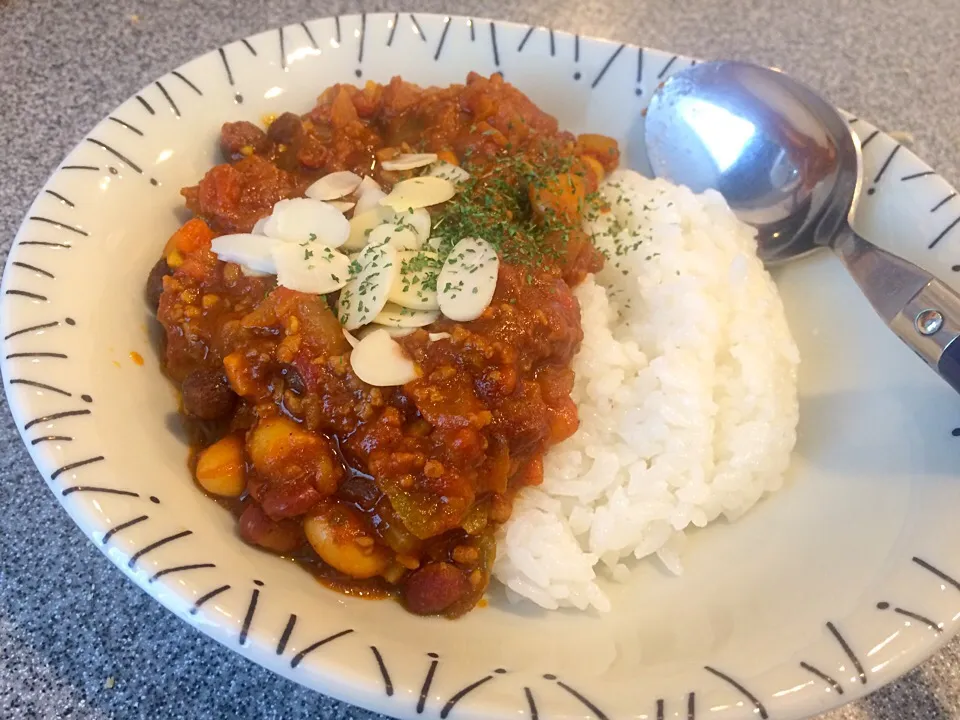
[
  {"x": 220, "y": 468},
  {"x": 337, "y": 534},
  {"x": 282, "y": 450}
]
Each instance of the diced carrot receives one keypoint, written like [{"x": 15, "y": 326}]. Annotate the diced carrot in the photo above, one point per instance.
[
  {"x": 193, "y": 235},
  {"x": 485, "y": 128},
  {"x": 603, "y": 148},
  {"x": 448, "y": 157},
  {"x": 342, "y": 111}
]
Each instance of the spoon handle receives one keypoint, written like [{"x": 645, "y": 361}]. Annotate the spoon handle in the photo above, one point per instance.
[{"x": 920, "y": 309}]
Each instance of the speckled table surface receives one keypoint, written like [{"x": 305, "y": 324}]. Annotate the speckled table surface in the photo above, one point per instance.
[{"x": 68, "y": 620}]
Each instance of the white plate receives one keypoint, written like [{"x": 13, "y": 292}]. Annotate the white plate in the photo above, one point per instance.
[{"x": 828, "y": 589}]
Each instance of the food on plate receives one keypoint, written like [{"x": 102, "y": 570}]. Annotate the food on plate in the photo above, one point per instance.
[
  {"x": 686, "y": 391},
  {"x": 423, "y": 336}
]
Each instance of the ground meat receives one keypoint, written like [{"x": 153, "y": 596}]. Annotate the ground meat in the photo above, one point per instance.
[
  {"x": 154, "y": 287},
  {"x": 434, "y": 588},
  {"x": 206, "y": 394}
]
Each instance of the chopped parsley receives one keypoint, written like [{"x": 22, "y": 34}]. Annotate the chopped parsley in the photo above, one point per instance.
[{"x": 495, "y": 205}]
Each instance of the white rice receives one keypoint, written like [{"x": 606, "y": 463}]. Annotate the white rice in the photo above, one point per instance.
[{"x": 686, "y": 388}]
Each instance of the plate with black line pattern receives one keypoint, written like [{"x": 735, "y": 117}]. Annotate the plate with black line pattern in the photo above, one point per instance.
[{"x": 825, "y": 591}]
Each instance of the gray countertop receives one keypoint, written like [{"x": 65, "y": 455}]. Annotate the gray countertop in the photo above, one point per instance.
[{"x": 68, "y": 619}]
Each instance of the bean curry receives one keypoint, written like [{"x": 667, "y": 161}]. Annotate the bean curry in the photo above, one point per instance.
[{"x": 384, "y": 491}]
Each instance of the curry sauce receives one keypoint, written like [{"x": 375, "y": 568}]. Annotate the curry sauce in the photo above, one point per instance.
[{"x": 385, "y": 491}]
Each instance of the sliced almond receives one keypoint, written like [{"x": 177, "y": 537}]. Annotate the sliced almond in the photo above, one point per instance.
[
  {"x": 394, "y": 315},
  {"x": 341, "y": 205},
  {"x": 368, "y": 183},
  {"x": 394, "y": 332},
  {"x": 419, "y": 221},
  {"x": 354, "y": 341},
  {"x": 449, "y": 171},
  {"x": 419, "y": 192},
  {"x": 468, "y": 279},
  {"x": 248, "y": 250},
  {"x": 362, "y": 223},
  {"x": 437, "y": 337},
  {"x": 365, "y": 221},
  {"x": 379, "y": 360},
  {"x": 250, "y": 272},
  {"x": 311, "y": 267},
  {"x": 370, "y": 200},
  {"x": 334, "y": 186},
  {"x": 364, "y": 296},
  {"x": 409, "y": 161},
  {"x": 369, "y": 195},
  {"x": 259, "y": 225},
  {"x": 416, "y": 284},
  {"x": 399, "y": 236},
  {"x": 301, "y": 219}
]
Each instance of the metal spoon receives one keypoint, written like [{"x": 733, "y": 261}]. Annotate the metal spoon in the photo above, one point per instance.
[{"x": 787, "y": 163}]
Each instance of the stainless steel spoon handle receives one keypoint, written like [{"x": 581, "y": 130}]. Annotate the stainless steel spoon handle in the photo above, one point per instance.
[{"x": 920, "y": 309}]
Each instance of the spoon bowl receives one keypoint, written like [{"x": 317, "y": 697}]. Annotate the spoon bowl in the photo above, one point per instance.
[
  {"x": 787, "y": 163},
  {"x": 779, "y": 154}
]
